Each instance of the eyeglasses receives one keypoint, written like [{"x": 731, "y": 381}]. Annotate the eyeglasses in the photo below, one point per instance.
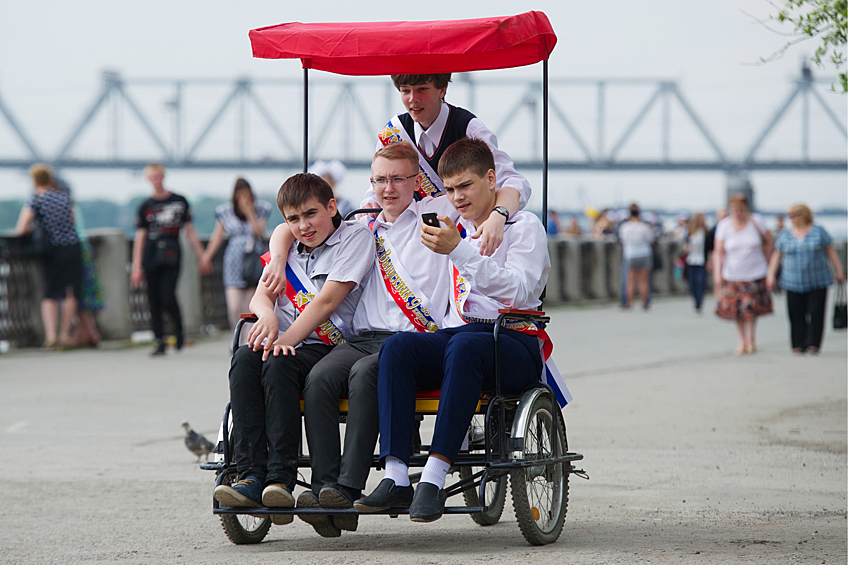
[{"x": 382, "y": 182}]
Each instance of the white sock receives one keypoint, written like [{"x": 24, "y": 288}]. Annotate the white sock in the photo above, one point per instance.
[
  {"x": 397, "y": 471},
  {"x": 435, "y": 471}
]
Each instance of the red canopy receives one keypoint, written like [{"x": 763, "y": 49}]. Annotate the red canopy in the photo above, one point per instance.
[{"x": 389, "y": 48}]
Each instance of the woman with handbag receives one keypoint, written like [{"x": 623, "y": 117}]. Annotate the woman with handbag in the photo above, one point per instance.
[
  {"x": 802, "y": 253},
  {"x": 62, "y": 256},
  {"x": 742, "y": 244},
  {"x": 243, "y": 219},
  {"x": 156, "y": 255}
]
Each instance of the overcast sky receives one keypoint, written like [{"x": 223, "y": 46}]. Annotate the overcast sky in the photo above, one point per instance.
[{"x": 52, "y": 55}]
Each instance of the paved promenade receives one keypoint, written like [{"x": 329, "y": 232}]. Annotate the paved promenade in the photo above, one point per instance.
[{"x": 695, "y": 455}]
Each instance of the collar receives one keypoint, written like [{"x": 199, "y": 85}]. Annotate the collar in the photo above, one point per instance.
[
  {"x": 435, "y": 131},
  {"x": 380, "y": 221},
  {"x": 334, "y": 238}
]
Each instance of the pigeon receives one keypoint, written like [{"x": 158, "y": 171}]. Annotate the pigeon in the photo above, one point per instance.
[{"x": 196, "y": 443}]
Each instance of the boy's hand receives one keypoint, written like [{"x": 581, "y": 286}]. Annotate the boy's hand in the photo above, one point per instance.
[
  {"x": 136, "y": 276},
  {"x": 280, "y": 348},
  {"x": 490, "y": 234},
  {"x": 265, "y": 329},
  {"x": 441, "y": 240},
  {"x": 274, "y": 276}
]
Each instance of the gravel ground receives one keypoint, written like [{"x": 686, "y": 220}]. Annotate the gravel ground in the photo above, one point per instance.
[{"x": 695, "y": 456}]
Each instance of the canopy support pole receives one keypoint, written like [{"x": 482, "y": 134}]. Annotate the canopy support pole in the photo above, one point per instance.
[
  {"x": 545, "y": 144},
  {"x": 305, "y": 119}
]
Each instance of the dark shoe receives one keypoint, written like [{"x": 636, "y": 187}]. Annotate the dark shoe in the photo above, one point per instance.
[
  {"x": 160, "y": 348},
  {"x": 180, "y": 342},
  {"x": 320, "y": 522},
  {"x": 247, "y": 493},
  {"x": 428, "y": 503},
  {"x": 278, "y": 496},
  {"x": 341, "y": 497},
  {"x": 386, "y": 495}
]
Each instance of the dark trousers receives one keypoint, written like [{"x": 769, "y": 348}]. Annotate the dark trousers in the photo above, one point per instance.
[
  {"x": 806, "y": 317},
  {"x": 162, "y": 298},
  {"x": 461, "y": 362},
  {"x": 265, "y": 401},
  {"x": 696, "y": 275},
  {"x": 349, "y": 370}
]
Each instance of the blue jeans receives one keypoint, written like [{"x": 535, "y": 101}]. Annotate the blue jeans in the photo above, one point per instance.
[{"x": 697, "y": 277}]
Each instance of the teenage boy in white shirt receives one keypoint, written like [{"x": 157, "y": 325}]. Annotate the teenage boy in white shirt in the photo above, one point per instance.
[
  {"x": 418, "y": 301},
  {"x": 459, "y": 359},
  {"x": 328, "y": 264}
]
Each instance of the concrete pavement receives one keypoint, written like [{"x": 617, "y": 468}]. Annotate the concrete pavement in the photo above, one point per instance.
[{"x": 695, "y": 455}]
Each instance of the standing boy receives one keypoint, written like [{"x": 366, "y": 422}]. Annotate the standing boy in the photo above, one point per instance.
[
  {"x": 460, "y": 358},
  {"x": 327, "y": 265},
  {"x": 156, "y": 253}
]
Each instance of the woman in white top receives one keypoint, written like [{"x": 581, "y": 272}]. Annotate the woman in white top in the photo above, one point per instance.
[
  {"x": 742, "y": 243},
  {"x": 696, "y": 258},
  {"x": 636, "y": 237}
]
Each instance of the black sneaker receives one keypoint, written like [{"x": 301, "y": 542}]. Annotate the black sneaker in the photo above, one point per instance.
[
  {"x": 320, "y": 522},
  {"x": 180, "y": 342},
  {"x": 160, "y": 348},
  {"x": 386, "y": 495},
  {"x": 428, "y": 503},
  {"x": 247, "y": 493},
  {"x": 340, "y": 497}
]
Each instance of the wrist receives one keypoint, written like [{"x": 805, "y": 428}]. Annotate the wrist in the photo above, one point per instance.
[{"x": 500, "y": 212}]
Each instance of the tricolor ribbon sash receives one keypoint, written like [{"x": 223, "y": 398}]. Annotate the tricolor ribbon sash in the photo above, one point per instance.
[
  {"x": 489, "y": 314},
  {"x": 300, "y": 291},
  {"x": 431, "y": 184},
  {"x": 402, "y": 289}
]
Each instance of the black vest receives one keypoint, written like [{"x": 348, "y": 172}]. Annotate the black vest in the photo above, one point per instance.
[{"x": 455, "y": 129}]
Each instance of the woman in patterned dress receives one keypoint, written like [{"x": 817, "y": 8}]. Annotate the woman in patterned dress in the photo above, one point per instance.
[
  {"x": 742, "y": 243},
  {"x": 802, "y": 253},
  {"x": 62, "y": 264},
  {"x": 243, "y": 219}
]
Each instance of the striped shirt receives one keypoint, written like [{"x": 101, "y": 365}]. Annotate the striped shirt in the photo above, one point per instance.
[{"x": 804, "y": 265}]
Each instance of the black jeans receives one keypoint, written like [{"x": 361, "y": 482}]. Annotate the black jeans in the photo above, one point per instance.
[
  {"x": 162, "y": 297},
  {"x": 265, "y": 403},
  {"x": 806, "y": 317}
]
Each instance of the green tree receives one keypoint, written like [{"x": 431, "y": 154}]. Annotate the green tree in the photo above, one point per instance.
[{"x": 823, "y": 19}]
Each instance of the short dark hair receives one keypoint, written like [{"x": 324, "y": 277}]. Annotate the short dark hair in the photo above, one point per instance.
[
  {"x": 634, "y": 210},
  {"x": 466, "y": 154},
  {"x": 439, "y": 80},
  {"x": 299, "y": 188}
]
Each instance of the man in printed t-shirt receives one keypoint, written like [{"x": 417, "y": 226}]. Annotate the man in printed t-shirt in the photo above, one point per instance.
[{"x": 156, "y": 253}]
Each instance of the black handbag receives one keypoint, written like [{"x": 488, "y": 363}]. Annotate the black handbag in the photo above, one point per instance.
[
  {"x": 840, "y": 308},
  {"x": 251, "y": 267},
  {"x": 166, "y": 254}
]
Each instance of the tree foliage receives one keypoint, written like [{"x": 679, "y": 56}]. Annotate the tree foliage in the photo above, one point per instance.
[{"x": 823, "y": 19}]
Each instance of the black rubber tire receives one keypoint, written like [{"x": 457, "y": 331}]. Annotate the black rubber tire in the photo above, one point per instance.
[
  {"x": 244, "y": 529},
  {"x": 541, "y": 529},
  {"x": 496, "y": 503}
]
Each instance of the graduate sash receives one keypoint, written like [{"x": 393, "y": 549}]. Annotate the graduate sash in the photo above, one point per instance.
[
  {"x": 488, "y": 314},
  {"x": 300, "y": 291},
  {"x": 411, "y": 301},
  {"x": 431, "y": 184}
]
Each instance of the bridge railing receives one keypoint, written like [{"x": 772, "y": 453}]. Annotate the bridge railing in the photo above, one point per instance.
[{"x": 582, "y": 270}]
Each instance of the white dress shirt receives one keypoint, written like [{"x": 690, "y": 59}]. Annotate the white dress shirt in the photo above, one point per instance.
[
  {"x": 514, "y": 275},
  {"x": 505, "y": 173},
  {"x": 377, "y": 310}
]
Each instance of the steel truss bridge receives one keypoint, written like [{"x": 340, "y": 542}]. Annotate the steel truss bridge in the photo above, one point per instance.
[{"x": 257, "y": 124}]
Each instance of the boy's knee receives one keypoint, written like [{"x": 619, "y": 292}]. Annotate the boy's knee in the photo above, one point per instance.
[
  {"x": 363, "y": 374},
  {"x": 323, "y": 379}
]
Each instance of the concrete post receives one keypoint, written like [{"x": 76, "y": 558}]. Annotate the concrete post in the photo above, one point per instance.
[
  {"x": 572, "y": 269},
  {"x": 188, "y": 289},
  {"x": 662, "y": 276},
  {"x": 109, "y": 247},
  {"x": 614, "y": 266},
  {"x": 598, "y": 276},
  {"x": 553, "y": 292}
]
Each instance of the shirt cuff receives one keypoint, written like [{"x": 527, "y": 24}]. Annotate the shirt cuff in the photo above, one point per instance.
[{"x": 462, "y": 254}]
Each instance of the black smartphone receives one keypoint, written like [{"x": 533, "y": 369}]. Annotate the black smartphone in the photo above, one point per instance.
[{"x": 430, "y": 219}]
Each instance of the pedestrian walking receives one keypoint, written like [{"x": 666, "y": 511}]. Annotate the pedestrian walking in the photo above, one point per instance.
[
  {"x": 696, "y": 258},
  {"x": 157, "y": 256},
  {"x": 53, "y": 210},
  {"x": 243, "y": 219},
  {"x": 742, "y": 243},
  {"x": 801, "y": 254}
]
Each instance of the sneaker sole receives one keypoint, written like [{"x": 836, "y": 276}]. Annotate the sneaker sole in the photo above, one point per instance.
[
  {"x": 281, "y": 519},
  {"x": 228, "y": 496},
  {"x": 334, "y": 499}
]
